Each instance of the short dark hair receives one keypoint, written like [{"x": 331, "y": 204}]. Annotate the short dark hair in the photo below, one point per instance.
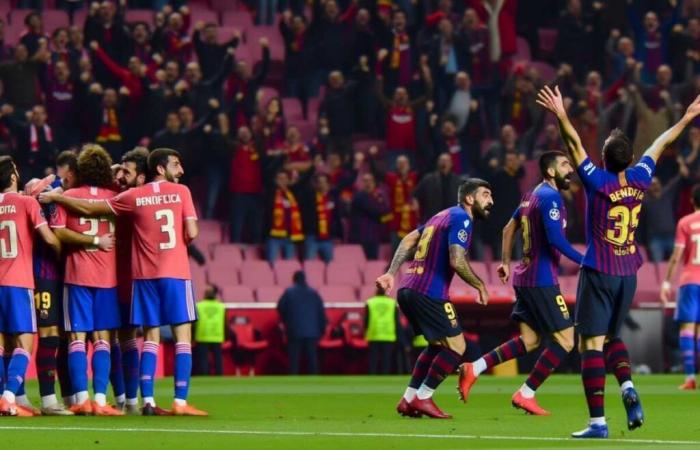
[
  {"x": 299, "y": 277},
  {"x": 95, "y": 166},
  {"x": 696, "y": 195},
  {"x": 549, "y": 159},
  {"x": 138, "y": 156},
  {"x": 211, "y": 292},
  {"x": 160, "y": 157},
  {"x": 29, "y": 16},
  {"x": 470, "y": 186},
  {"x": 68, "y": 158},
  {"x": 617, "y": 152},
  {"x": 7, "y": 169}
]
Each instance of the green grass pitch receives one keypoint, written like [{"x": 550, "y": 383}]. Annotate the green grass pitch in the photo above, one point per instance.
[{"x": 358, "y": 413}]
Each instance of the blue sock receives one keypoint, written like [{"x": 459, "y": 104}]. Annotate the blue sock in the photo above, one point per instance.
[
  {"x": 116, "y": 373},
  {"x": 149, "y": 358},
  {"x": 2, "y": 369},
  {"x": 130, "y": 360},
  {"x": 16, "y": 371},
  {"x": 77, "y": 366},
  {"x": 687, "y": 345},
  {"x": 20, "y": 389},
  {"x": 183, "y": 369},
  {"x": 100, "y": 366}
]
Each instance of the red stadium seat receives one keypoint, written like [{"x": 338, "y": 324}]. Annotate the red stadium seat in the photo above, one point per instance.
[
  {"x": 522, "y": 52},
  {"x": 648, "y": 284},
  {"x": 367, "y": 291},
  {"x": 245, "y": 341},
  {"x": 500, "y": 293},
  {"x": 54, "y": 18},
  {"x": 199, "y": 280},
  {"x": 266, "y": 93},
  {"x": 329, "y": 341},
  {"x": 349, "y": 253},
  {"x": 251, "y": 253},
  {"x": 237, "y": 294},
  {"x": 481, "y": 270},
  {"x": 228, "y": 254},
  {"x": 139, "y": 15},
  {"x": 547, "y": 72},
  {"x": 204, "y": 15},
  {"x": 272, "y": 34},
  {"x": 306, "y": 128},
  {"x": 372, "y": 269},
  {"x": 547, "y": 40},
  {"x": 269, "y": 294},
  {"x": 284, "y": 271},
  {"x": 226, "y": 33},
  {"x": 354, "y": 331},
  {"x": 257, "y": 274},
  {"x": 532, "y": 176},
  {"x": 222, "y": 274},
  {"x": 292, "y": 108},
  {"x": 237, "y": 18},
  {"x": 337, "y": 294},
  {"x": 315, "y": 273},
  {"x": 568, "y": 285},
  {"x": 343, "y": 274}
]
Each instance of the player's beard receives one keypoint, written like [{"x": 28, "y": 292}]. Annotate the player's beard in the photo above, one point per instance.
[
  {"x": 563, "y": 182},
  {"x": 481, "y": 212}
]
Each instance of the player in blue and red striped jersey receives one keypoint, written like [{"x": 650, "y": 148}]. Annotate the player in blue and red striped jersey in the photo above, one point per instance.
[
  {"x": 540, "y": 308},
  {"x": 437, "y": 250},
  {"x": 608, "y": 276}
]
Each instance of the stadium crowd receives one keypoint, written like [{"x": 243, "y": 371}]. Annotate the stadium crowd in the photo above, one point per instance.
[{"x": 359, "y": 117}]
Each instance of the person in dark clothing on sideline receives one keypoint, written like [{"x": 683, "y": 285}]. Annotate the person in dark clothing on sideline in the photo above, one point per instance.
[{"x": 304, "y": 317}]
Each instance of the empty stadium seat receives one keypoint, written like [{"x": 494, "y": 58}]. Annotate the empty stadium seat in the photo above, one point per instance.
[
  {"x": 340, "y": 273},
  {"x": 337, "y": 294},
  {"x": 257, "y": 274},
  {"x": 204, "y": 15},
  {"x": 354, "y": 331},
  {"x": 199, "y": 280},
  {"x": 139, "y": 15},
  {"x": 349, "y": 253},
  {"x": 237, "y": 294},
  {"x": 222, "y": 274},
  {"x": 284, "y": 271},
  {"x": 236, "y": 18},
  {"x": 481, "y": 270},
  {"x": 315, "y": 273},
  {"x": 292, "y": 108},
  {"x": 251, "y": 253},
  {"x": 269, "y": 294},
  {"x": 372, "y": 269},
  {"x": 225, "y": 34},
  {"x": 228, "y": 254},
  {"x": 366, "y": 292},
  {"x": 522, "y": 52}
]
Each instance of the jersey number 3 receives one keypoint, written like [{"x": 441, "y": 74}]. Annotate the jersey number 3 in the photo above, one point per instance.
[
  {"x": 168, "y": 228},
  {"x": 424, "y": 243},
  {"x": 625, "y": 223}
]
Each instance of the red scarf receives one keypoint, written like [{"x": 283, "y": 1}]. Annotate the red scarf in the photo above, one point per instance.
[
  {"x": 401, "y": 43},
  {"x": 286, "y": 218},
  {"x": 34, "y": 137},
  {"x": 109, "y": 128},
  {"x": 404, "y": 219},
  {"x": 323, "y": 211}
]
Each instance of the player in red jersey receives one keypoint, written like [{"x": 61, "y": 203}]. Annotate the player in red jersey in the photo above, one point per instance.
[
  {"x": 687, "y": 251},
  {"x": 164, "y": 222},
  {"x": 20, "y": 217}
]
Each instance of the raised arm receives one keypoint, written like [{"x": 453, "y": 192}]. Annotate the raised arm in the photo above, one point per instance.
[
  {"x": 670, "y": 135},
  {"x": 78, "y": 206},
  {"x": 460, "y": 264},
  {"x": 405, "y": 251},
  {"x": 552, "y": 101}
]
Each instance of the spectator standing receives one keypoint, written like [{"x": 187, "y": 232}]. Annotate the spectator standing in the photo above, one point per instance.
[
  {"x": 437, "y": 190},
  {"x": 370, "y": 213},
  {"x": 658, "y": 218},
  {"x": 285, "y": 223},
  {"x": 381, "y": 328},
  {"x": 35, "y": 146},
  {"x": 304, "y": 318},
  {"x": 246, "y": 187},
  {"x": 209, "y": 331},
  {"x": 20, "y": 77}
]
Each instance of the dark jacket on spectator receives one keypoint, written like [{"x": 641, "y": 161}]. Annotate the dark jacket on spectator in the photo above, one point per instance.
[
  {"x": 20, "y": 81},
  {"x": 31, "y": 163},
  {"x": 114, "y": 40},
  {"x": 198, "y": 96},
  {"x": 247, "y": 106},
  {"x": 211, "y": 56},
  {"x": 302, "y": 312},
  {"x": 436, "y": 192},
  {"x": 368, "y": 217}
]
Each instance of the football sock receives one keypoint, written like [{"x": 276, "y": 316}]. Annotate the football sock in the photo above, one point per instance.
[
  {"x": 20, "y": 390},
  {"x": 116, "y": 372},
  {"x": 686, "y": 342},
  {"x": 2, "y": 368},
  {"x": 424, "y": 392},
  {"x": 63, "y": 372},
  {"x": 77, "y": 366},
  {"x": 48, "y": 400},
  {"x": 149, "y": 358},
  {"x": 526, "y": 391},
  {"x": 697, "y": 349},
  {"x": 618, "y": 361},
  {"x": 420, "y": 370},
  {"x": 410, "y": 394},
  {"x": 100, "y": 367},
  {"x": 183, "y": 369},
  {"x": 514, "y": 348},
  {"x": 16, "y": 371},
  {"x": 443, "y": 364},
  {"x": 46, "y": 364},
  {"x": 593, "y": 376},
  {"x": 130, "y": 362},
  {"x": 548, "y": 361}
]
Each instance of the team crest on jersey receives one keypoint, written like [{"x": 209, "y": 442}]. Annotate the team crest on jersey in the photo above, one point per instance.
[
  {"x": 554, "y": 214},
  {"x": 462, "y": 235}
]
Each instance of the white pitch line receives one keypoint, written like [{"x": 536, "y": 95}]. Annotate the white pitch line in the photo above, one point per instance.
[{"x": 345, "y": 434}]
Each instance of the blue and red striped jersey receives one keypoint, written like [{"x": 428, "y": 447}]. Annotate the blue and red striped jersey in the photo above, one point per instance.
[
  {"x": 430, "y": 272},
  {"x": 612, "y": 215},
  {"x": 47, "y": 266},
  {"x": 540, "y": 210}
]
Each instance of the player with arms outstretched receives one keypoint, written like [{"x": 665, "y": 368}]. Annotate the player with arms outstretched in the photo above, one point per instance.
[
  {"x": 20, "y": 217},
  {"x": 687, "y": 251},
  {"x": 608, "y": 278},
  {"x": 540, "y": 308},
  {"x": 164, "y": 221},
  {"x": 436, "y": 251}
]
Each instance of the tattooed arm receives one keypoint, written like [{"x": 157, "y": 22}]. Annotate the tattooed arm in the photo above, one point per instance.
[
  {"x": 460, "y": 264},
  {"x": 405, "y": 251}
]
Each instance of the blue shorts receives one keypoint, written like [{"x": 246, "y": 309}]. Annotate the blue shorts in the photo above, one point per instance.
[
  {"x": 90, "y": 308},
  {"x": 688, "y": 307},
  {"x": 162, "y": 301},
  {"x": 603, "y": 302},
  {"x": 17, "y": 310}
]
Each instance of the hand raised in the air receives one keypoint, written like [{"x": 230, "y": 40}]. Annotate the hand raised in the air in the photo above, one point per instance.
[
  {"x": 551, "y": 100},
  {"x": 106, "y": 242}
]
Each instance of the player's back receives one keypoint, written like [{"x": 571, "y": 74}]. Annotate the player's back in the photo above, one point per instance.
[
  {"x": 430, "y": 271},
  {"x": 19, "y": 216},
  {"x": 540, "y": 261},
  {"x": 688, "y": 237},
  {"x": 159, "y": 210},
  {"x": 612, "y": 216},
  {"x": 87, "y": 265}
]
